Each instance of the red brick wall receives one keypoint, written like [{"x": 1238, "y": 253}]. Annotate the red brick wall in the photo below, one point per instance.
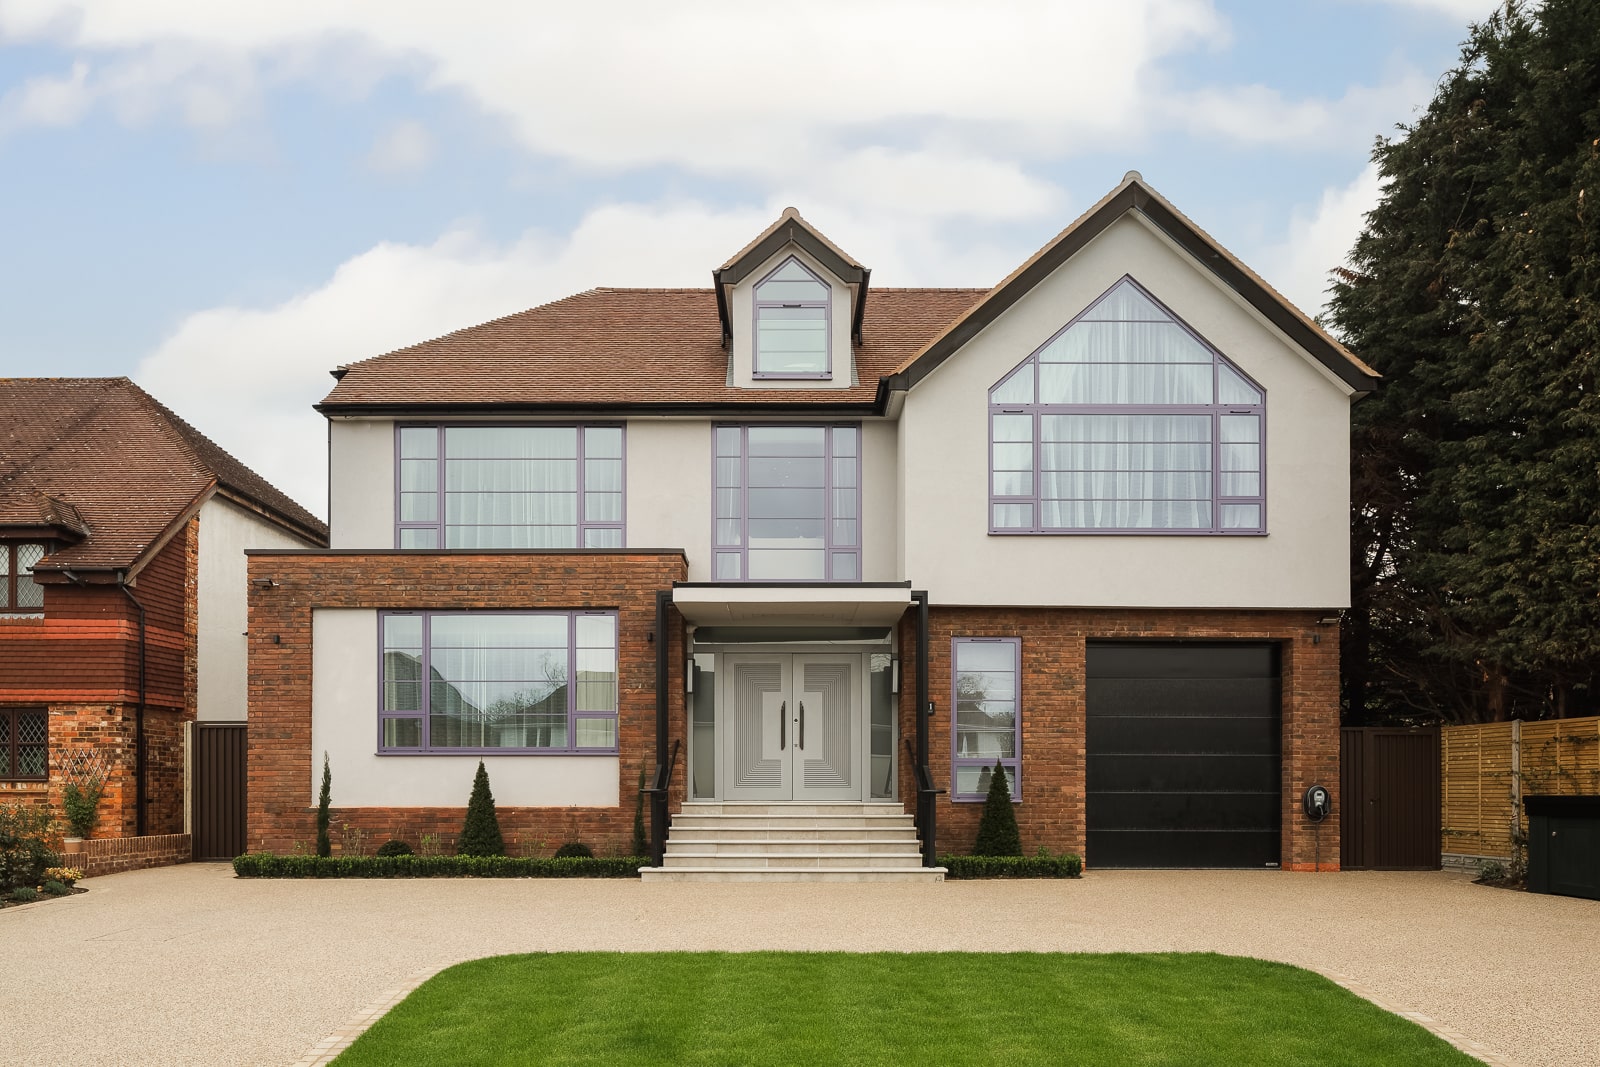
[
  {"x": 131, "y": 854},
  {"x": 280, "y": 815},
  {"x": 1051, "y": 812}
]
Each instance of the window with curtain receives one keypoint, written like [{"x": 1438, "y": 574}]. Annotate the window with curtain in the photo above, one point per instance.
[
  {"x": 487, "y": 682},
  {"x": 787, "y": 503},
  {"x": 509, "y": 487},
  {"x": 987, "y": 725},
  {"x": 18, "y": 591},
  {"x": 791, "y": 323},
  {"x": 1127, "y": 421}
]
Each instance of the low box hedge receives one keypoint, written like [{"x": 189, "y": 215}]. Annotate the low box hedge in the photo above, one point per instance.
[
  {"x": 269, "y": 865},
  {"x": 1011, "y": 866}
]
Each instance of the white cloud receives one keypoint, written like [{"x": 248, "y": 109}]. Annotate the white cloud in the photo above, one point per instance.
[
  {"x": 404, "y": 147},
  {"x": 48, "y": 101},
  {"x": 1260, "y": 115},
  {"x": 1464, "y": 11},
  {"x": 1320, "y": 240}
]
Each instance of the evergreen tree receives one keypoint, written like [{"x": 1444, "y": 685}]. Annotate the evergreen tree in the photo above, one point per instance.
[
  {"x": 480, "y": 834},
  {"x": 324, "y": 800},
  {"x": 997, "y": 829},
  {"x": 1476, "y": 480}
]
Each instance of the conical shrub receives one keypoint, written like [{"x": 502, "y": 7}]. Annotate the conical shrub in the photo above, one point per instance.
[
  {"x": 324, "y": 800},
  {"x": 480, "y": 834},
  {"x": 997, "y": 830}
]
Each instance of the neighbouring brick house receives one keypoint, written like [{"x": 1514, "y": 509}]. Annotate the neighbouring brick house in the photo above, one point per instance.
[
  {"x": 122, "y": 591},
  {"x": 1089, "y": 526}
]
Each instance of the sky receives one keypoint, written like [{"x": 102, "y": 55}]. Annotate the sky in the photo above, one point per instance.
[{"x": 225, "y": 201}]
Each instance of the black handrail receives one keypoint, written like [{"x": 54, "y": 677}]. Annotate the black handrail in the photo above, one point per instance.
[
  {"x": 926, "y": 817},
  {"x": 658, "y": 807}
]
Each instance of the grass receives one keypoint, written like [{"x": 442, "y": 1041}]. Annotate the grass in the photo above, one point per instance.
[{"x": 832, "y": 1008}]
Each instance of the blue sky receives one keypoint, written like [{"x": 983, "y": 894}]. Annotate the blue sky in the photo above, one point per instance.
[{"x": 224, "y": 201}]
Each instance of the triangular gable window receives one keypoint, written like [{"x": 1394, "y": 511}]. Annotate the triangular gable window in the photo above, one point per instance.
[
  {"x": 791, "y": 323},
  {"x": 1127, "y": 421}
]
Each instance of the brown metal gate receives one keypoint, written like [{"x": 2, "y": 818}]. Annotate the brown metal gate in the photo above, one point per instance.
[
  {"x": 1389, "y": 799},
  {"x": 218, "y": 779}
]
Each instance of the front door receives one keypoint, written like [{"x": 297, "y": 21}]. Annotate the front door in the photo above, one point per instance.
[{"x": 793, "y": 727}]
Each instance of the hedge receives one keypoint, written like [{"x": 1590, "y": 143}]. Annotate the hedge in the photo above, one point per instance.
[
  {"x": 1011, "y": 866},
  {"x": 269, "y": 865}
]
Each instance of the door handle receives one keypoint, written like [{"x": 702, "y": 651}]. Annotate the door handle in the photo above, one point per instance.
[
  {"x": 802, "y": 743},
  {"x": 783, "y": 726}
]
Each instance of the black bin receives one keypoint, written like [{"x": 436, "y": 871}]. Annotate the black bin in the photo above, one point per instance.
[{"x": 1564, "y": 845}]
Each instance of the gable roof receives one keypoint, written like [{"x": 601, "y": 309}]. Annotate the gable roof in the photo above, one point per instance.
[
  {"x": 101, "y": 465},
  {"x": 1133, "y": 195},
  {"x": 622, "y": 349},
  {"x": 792, "y": 229}
]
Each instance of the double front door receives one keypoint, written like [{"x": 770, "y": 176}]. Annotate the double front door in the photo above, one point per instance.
[{"x": 794, "y": 727}]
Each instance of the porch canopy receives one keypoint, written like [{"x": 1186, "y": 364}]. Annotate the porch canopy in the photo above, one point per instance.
[{"x": 832, "y": 607}]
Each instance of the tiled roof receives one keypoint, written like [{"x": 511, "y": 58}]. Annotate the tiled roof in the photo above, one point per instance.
[
  {"x": 101, "y": 455},
  {"x": 627, "y": 346}
]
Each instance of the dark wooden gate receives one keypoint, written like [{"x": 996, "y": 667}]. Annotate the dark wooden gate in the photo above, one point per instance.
[
  {"x": 1388, "y": 799},
  {"x": 218, "y": 781}
]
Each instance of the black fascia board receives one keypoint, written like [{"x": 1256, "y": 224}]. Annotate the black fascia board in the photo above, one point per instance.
[{"x": 466, "y": 409}]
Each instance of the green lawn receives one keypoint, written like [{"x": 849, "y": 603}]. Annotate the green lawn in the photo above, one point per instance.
[{"x": 939, "y": 1009}]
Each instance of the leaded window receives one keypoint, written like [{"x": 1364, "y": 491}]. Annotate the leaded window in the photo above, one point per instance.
[
  {"x": 987, "y": 724},
  {"x": 18, "y": 591},
  {"x": 1127, "y": 421},
  {"x": 787, "y": 503},
  {"x": 791, "y": 323},
  {"x": 535, "y": 487},
  {"x": 495, "y": 682},
  {"x": 24, "y": 743}
]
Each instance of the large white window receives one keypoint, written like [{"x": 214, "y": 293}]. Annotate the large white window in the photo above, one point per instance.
[
  {"x": 791, "y": 323},
  {"x": 787, "y": 503},
  {"x": 1127, "y": 421}
]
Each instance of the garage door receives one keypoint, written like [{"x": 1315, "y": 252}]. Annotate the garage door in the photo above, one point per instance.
[{"x": 1183, "y": 767}]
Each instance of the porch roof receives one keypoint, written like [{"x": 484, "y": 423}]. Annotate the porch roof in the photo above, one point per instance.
[{"x": 792, "y": 603}]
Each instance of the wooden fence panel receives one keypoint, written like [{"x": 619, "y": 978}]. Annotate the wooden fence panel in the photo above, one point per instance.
[{"x": 1488, "y": 768}]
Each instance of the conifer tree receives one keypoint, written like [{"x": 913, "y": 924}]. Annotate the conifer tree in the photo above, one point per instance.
[
  {"x": 324, "y": 801},
  {"x": 480, "y": 834},
  {"x": 997, "y": 829}
]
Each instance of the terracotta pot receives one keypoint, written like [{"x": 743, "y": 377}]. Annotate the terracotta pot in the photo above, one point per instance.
[{"x": 71, "y": 846}]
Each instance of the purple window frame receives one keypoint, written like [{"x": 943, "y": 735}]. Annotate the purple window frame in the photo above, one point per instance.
[
  {"x": 619, "y": 524},
  {"x": 10, "y": 580},
  {"x": 570, "y": 749},
  {"x": 742, "y": 549},
  {"x": 1013, "y": 765},
  {"x": 1215, "y": 410},
  {"x": 826, "y": 374}
]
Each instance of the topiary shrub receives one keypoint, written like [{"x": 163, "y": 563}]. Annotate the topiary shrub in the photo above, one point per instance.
[
  {"x": 394, "y": 847},
  {"x": 324, "y": 800},
  {"x": 24, "y": 894},
  {"x": 574, "y": 848},
  {"x": 480, "y": 834},
  {"x": 55, "y": 889},
  {"x": 997, "y": 830}
]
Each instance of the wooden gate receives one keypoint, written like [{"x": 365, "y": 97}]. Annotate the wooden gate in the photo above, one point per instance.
[
  {"x": 218, "y": 780},
  {"x": 1389, "y": 799}
]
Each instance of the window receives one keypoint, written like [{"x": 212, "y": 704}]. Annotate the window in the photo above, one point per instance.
[
  {"x": 987, "y": 723},
  {"x": 24, "y": 752},
  {"x": 498, "y": 682},
  {"x": 787, "y": 503},
  {"x": 791, "y": 316},
  {"x": 1127, "y": 422},
  {"x": 509, "y": 487},
  {"x": 18, "y": 591}
]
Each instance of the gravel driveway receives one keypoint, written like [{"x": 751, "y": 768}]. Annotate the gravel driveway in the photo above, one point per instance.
[{"x": 188, "y": 965}]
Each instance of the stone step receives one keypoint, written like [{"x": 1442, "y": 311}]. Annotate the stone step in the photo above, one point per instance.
[
  {"x": 841, "y": 807},
  {"x": 792, "y": 874},
  {"x": 686, "y": 822},
  {"x": 791, "y": 833},
  {"x": 821, "y": 860},
  {"x": 689, "y": 845}
]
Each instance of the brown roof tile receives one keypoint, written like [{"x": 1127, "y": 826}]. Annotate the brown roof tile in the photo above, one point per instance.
[
  {"x": 102, "y": 456},
  {"x": 623, "y": 347}
]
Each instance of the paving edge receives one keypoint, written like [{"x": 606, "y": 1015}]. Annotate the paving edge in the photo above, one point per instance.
[
  {"x": 1427, "y": 1022},
  {"x": 329, "y": 1048}
]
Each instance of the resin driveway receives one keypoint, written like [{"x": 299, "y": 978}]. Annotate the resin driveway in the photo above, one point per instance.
[{"x": 188, "y": 965}]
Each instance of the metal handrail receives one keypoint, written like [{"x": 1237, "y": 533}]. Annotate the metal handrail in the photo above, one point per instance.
[
  {"x": 658, "y": 794},
  {"x": 927, "y": 812}
]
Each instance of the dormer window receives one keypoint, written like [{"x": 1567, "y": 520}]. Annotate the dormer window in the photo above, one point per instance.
[
  {"x": 18, "y": 591},
  {"x": 791, "y": 324}
]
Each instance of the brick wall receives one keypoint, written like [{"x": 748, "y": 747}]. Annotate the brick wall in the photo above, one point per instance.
[
  {"x": 1051, "y": 812},
  {"x": 280, "y": 762},
  {"x": 130, "y": 854}
]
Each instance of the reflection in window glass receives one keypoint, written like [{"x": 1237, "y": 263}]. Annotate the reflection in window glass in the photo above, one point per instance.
[
  {"x": 786, "y": 503},
  {"x": 791, "y": 323},
  {"x": 987, "y": 724}
]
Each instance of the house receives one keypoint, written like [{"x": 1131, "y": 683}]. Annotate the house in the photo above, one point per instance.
[
  {"x": 122, "y": 592},
  {"x": 797, "y": 545}
]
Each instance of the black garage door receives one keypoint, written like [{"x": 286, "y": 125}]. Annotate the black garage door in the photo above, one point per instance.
[{"x": 1183, "y": 765}]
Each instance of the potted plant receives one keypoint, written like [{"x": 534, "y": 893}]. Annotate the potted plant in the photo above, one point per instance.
[{"x": 84, "y": 773}]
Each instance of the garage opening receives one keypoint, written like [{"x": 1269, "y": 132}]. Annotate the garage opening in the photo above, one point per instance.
[{"x": 1184, "y": 754}]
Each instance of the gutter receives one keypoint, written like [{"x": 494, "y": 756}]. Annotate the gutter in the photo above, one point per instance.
[{"x": 139, "y": 764}]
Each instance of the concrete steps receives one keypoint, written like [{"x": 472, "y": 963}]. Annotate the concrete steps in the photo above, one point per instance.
[{"x": 745, "y": 842}]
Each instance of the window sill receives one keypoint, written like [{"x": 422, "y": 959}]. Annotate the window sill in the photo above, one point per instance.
[
  {"x": 24, "y": 785},
  {"x": 781, "y": 376},
  {"x": 1127, "y": 533},
  {"x": 498, "y": 752}
]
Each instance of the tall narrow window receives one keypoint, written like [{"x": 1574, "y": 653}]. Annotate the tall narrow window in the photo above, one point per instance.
[
  {"x": 483, "y": 682},
  {"x": 791, "y": 323},
  {"x": 18, "y": 591},
  {"x": 509, "y": 487},
  {"x": 988, "y": 722},
  {"x": 787, "y": 503},
  {"x": 1126, "y": 421}
]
